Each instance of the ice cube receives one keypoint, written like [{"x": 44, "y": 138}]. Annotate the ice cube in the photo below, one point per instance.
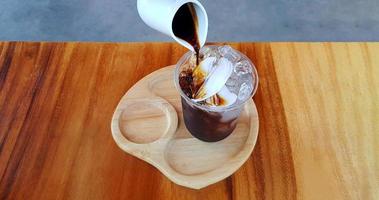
[
  {"x": 225, "y": 49},
  {"x": 207, "y": 51},
  {"x": 216, "y": 80},
  {"x": 245, "y": 91},
  {"x": 229, "y": 53},
  {"x": 202, "y": 71},
  {"x": 192, "y": 61},
  {"x": 223, "y": 98},
  {"x": 233, "y": 83},
  {"x": 243, "y": 67}
]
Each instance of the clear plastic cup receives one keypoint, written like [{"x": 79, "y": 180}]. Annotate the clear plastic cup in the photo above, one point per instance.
[{"x": 211, "y": 123}]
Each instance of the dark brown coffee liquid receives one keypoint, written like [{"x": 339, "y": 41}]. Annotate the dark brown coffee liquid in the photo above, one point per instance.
[
  {"x": 209, "y": 126},
  {"x": 185, "y": 25},
  {"x": 205, "y": 125}
]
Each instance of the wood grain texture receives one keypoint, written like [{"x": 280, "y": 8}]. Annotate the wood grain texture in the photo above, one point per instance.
[
  {"x": 331, "y": 92},
  {"x": 317, "y": 104}
]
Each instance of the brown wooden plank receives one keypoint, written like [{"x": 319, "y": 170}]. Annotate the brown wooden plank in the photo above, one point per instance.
[
  {"x": 318, "y": 108},
  {"x": 330, "y": 95}
]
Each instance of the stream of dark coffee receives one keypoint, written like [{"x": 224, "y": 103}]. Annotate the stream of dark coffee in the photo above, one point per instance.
[{"x": 185, "y": 26}]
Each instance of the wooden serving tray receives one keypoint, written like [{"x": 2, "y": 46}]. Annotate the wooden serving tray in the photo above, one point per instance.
[{"x": 148, "y": 124}]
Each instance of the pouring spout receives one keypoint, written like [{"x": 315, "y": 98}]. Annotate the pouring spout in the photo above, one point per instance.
[
  {"x": 190, "y": 26},
  {"x": 160, "y": 15}
]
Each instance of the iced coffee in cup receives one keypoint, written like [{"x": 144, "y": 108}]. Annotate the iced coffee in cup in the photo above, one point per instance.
[{"x": 214, "y": 90}]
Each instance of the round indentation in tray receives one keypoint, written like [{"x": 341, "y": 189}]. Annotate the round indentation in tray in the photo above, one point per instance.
[{"x": 143, "y": 122}]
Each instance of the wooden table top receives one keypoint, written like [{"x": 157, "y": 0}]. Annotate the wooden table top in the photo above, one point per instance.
[{"x": 318, "y": 105}]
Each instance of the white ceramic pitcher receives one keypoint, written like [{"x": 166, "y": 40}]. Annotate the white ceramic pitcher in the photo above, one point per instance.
[{"x": 159, "y": 15}]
